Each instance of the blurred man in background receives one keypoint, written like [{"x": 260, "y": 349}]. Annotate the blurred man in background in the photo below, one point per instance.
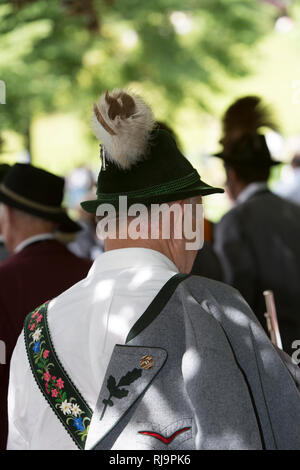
[
  {"x": 86, "y": 244},
  {"x": 207, "y": 262},
  {"x": 39, "y": 267},
  {"x": 258, "y": 239},
  {"x": 80, "y": 184}
]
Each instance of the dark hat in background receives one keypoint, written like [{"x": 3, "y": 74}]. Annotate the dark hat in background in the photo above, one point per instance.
[
  {"x": 248, "y": 150},
  {"x": 243, "y": 143},
  {"x": 36, "y": 192},
  {"x": 139, "y": 160}
]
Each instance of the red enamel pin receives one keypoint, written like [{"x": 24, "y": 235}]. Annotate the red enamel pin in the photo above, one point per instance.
[{"x": 165, "y": 440}]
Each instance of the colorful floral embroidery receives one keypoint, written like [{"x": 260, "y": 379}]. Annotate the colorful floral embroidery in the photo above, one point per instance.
[{"x": 53, "y": 381}]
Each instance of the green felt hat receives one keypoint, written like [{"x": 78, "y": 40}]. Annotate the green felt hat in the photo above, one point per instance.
[
  {"x": 161, "y": 173},
  {"x": 4, "y": 167},
  {"x": 164, "y": 176}
]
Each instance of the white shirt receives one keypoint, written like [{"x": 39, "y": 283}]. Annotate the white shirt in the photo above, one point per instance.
[
  {"x": 251, "y": 189},
  {"x": 85, "y": 323}
]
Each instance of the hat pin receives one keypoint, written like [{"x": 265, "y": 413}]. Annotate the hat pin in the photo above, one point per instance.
[{"x": 102, "y": 156}]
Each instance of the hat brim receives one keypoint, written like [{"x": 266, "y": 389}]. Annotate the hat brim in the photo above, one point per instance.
[
  {"x": 246, "y": 163},
  {"x": 198, "y": 189},
  {"x": 65, "y": 223}
]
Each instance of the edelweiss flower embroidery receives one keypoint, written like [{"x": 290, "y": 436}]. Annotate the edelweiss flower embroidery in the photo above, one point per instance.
[
  {"x": 66, "y": 407},
  {"x": 37, "y": 334},
  {"x": 76, "y": 410}
]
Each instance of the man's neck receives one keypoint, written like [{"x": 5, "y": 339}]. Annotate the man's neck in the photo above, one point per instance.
[
  {"x": 176, "y": 252},
  {"x": 249, "y": 190},
  {"x": 157, "y": 245},
  {"x": 237, "y": 189}
]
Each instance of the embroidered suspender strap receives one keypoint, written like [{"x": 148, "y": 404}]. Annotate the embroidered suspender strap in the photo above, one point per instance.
[{"x": 51, "y": 378}]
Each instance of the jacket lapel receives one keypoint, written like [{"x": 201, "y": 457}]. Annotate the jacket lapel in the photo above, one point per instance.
[{"x": 130, "y": 372}]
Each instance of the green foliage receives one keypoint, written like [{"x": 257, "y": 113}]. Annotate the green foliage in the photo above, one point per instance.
[
  {"x": 40, "y": 55},
  {"x": 178, "y": 45},
  {"x": 51, "y": 60}
]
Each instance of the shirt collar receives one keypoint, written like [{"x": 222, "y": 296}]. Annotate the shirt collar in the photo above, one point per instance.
[
  {"x": 251, "y": 189},
  {"x": 33, "y": 239},
  {"x": 128, "y": 258}
]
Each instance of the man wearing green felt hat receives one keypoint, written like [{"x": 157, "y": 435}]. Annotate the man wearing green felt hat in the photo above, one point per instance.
[
  {"x": 142, "y": 161},
  {"x": 140, "y": 354}
]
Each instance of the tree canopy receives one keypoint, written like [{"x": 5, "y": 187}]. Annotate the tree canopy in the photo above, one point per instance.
[{"x": 60, "y": 55}]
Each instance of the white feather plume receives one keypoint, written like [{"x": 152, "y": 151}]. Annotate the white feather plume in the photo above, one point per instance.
[{"x": 122, "y": 122}]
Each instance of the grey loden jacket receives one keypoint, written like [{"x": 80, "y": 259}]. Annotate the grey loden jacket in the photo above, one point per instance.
[{"x": 197, "y": 372}]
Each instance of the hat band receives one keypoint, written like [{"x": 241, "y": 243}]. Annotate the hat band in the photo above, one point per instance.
[
  {"x": 27, "y": 202},
  {"x": 158, "y": 189}
]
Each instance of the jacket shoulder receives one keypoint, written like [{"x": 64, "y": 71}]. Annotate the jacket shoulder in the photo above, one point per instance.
[
  {"x": 201, "y": 284},
  {"x": 216, "y": 295}
]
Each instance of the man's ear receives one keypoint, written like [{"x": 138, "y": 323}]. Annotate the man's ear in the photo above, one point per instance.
[
  {"x": 232, "y": 182},
  {"x": 231, "y": 175},
  {"x": 179, "y": 213}
]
